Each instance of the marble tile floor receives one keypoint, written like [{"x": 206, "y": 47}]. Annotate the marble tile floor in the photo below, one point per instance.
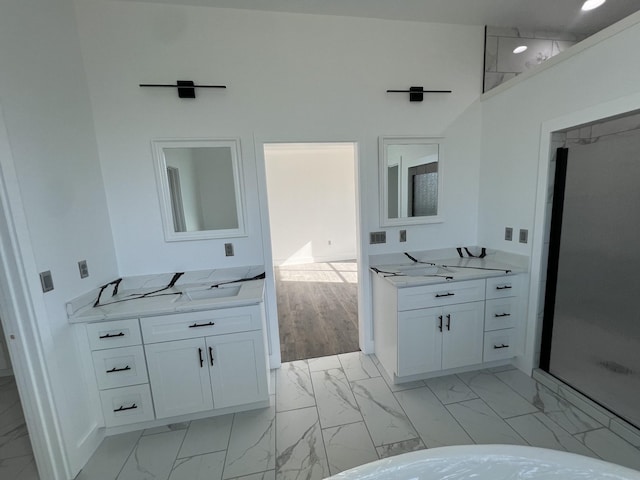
[
  {"x": 332, "y": 413},
  {"x": 16, "y": 455}
]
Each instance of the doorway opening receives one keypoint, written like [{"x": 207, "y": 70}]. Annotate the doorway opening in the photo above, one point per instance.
[{"x": 311, "y": 192}]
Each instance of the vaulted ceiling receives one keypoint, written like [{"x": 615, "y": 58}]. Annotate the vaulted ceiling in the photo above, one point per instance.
[{"x": 551, "y": 15}]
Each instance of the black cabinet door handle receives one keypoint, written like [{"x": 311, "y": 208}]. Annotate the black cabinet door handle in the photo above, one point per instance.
[
  {"x": 448, "y": 294},
  {"x": 196, "y": 325},
  {"x": 497, "y": 347},
  {"x": 448, "y": 322},
  {"x": 498, "y": 315},
  {"x": 123, "y": 408},
  {"x": 108, "y": 335},
  {"x": 504, "y": 287},
  {"x": 114, "y": 369},
  {"x": 440, "y": 324},
  {"x": 211, "y": 355},
  {"x": 200, "y": 357}
]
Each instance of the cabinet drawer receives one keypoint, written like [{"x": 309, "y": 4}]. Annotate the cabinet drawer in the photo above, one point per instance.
[
  {"x": 501, "y": 287},
  {"x": 117, "y": 333},
  {"x": 499, "y": 344},
  {"x": 426, "y": 296},
  {"x": 500, "y": 313},
  {"x": 125, "y": 405},
  {"x": 166, "y": 328},
  {"x": 120, "y": 367}
]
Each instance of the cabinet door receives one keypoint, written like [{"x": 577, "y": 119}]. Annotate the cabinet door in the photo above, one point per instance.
[
  {"x": 179, "y": 380},
  {"x": 463, "y": 336},
  {"x": 237, "y": 363},
  {"x": 419, "y": 341}
]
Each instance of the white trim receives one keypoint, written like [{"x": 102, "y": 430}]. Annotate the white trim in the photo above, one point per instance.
[
  {"x": 576, "y": 49},
  {"x": 581, "y": 117},
  {"x": 384, "y": 140},
  {"x": 364, "y": 301},
  {"x": 164, "y": 194},
  {"x": 17, "y": 267}
]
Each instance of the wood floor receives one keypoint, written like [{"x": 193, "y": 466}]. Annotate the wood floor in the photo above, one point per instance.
[{"x": 317, "y": 309}]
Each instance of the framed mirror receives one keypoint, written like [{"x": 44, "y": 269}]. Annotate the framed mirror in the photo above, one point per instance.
[
  {"x": 200, "y": 188},
  {"x": 410, "y": 180}
]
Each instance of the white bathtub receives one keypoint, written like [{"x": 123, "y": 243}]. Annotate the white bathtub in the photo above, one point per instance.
[{"x": 488, "y": 462}]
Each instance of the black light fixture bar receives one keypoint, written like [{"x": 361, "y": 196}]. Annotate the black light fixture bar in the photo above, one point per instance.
[
  {"x": 186, "y": 88},
  {"x": 416, "y": 93}
]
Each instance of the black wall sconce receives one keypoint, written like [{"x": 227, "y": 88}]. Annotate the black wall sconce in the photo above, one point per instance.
[
  {"x": 416, "y": 93},
  {"x": 186, "y": 88}
]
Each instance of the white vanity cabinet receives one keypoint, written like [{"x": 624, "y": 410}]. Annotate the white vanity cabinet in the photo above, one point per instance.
[
  {"x": 219, "y": 363},
  {"x": 432, "y": 339},
  {"x": 423, "y": 329},
  {"x": 121, "y": 371},
  {"x": 502, "y": 317},
  {"x": 177, "y": 364}
]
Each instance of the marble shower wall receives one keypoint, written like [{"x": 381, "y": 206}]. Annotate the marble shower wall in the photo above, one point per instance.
[{"x": 501, "y": 64}]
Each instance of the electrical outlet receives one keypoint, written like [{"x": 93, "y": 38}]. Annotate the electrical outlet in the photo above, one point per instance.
[
  {"x": 524, "y": 235},
  {"x": 228, "y": 249},
  {"x": 46, "y": 280},
  {"x": 403, "y": 235},
  {"x": 508, "y": 234},
  {"x": 84, "y": 269}
]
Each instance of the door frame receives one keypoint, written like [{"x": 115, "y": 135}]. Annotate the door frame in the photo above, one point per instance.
[
  {"x": 19, "y": 313},
  {"x": 365, "y": 337},
  {"x": 538, "y": 264}
]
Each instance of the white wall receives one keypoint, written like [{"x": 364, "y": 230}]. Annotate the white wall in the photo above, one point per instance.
[
  {"x": 517, "y": 122},
  {"x": 49, "y": 122},
  {"x": 290, "y": 78},
  {"x": 312, "y": 202}
]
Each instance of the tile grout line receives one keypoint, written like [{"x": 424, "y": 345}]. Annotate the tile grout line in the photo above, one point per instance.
[
  {"x": 226, "y": 452},
  {"x": 494, "y": 411},
  {"x": 359, "y": 408},
  {"x": 452, "y": 415}
]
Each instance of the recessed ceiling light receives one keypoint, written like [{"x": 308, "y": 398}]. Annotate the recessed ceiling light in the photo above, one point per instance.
[
  {"x": 520, "y": 49},
  {"x": 591, "y": 4}
]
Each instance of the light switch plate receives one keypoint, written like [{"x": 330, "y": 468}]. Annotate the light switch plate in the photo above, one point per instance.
[
  {"x": 403, "y": 235},
  {"x": 46, "y": 280},
  {"x": 83, "y": 268},
  {"x": 524, "y": 235},
  {"x": 228, "y": 249},
  {"x": 508, "y": 234}
]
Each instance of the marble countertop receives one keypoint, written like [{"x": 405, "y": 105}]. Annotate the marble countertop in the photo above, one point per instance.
[
  {"x": 453, "y": 269},
  {"x": 192, "y": 291}
]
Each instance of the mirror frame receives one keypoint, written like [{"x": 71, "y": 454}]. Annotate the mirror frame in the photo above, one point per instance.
[
  {"x": 164, "y": 194},
  {"x": 383, "y": 141}
]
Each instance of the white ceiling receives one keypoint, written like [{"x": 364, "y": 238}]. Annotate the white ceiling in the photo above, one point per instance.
[{"x": 552, "y": 15}]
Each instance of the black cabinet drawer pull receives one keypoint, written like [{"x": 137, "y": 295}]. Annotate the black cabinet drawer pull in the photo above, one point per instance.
[
  {"x": 498, "y": 315},
  {"x": 211, "y": 355},
  {"x": 440, "y": 325},
  {"x": 496, "y": 347},
  {"x": 448, "y": 294},
  {"x": 108, "y": 335},
  {"x": 504, "y": 287},
  {"x": 114, "y": 369},
  {"x": 200, "y": 357},
  {"x": 196, "y": 325},
  {"x": 123, "y": 408},
  {"x": 448, "y": 322}
]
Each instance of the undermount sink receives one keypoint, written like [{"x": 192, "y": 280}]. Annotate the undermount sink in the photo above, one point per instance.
[
  {"x": 421, "y": 270},
  {"x": 207, "y": 293}
]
